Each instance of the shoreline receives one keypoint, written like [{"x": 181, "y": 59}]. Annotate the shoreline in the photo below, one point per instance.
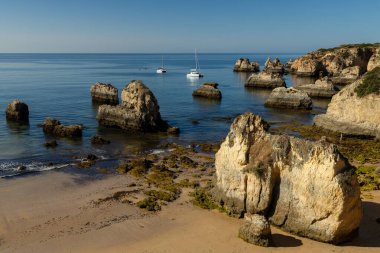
[{"x": 60, "y": 217}]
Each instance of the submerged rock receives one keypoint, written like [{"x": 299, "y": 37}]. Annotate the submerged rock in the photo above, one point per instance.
[
  {"x": 54, "y": 127},
  {"x": 265, "y": 80},
  {"x": 307, "y": 188},
  {"x": 208, "y": 90},
  {"x": 321, "y": 88},
  {"x": 244, "y": 65},
  {"x": 289, "y": 98},
  {"x": 256, "y": 230},
  {"x": 98, "y": 140},
  {"x": 17, "y": 111},
  {"x": 139, "y": 110},
  {"x": 350, "y": 114},
  {"x": 104, "y": 93},
  {"x": 51, "y": 144}
]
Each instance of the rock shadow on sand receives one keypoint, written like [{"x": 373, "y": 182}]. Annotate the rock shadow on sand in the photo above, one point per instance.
[{"x": 285, "y": 241}]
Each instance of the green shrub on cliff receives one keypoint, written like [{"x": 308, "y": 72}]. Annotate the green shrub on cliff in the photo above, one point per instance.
[{"x": 370, "y": 83}]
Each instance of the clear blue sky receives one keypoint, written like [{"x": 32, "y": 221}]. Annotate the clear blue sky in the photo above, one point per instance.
[{"x": 133, "y": 26}]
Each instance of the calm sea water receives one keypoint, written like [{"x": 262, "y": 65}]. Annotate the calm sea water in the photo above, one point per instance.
[{"x": 57, "y": 85}]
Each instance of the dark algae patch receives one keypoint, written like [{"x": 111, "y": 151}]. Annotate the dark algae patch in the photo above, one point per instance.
[{"x": 370, "y": 83}]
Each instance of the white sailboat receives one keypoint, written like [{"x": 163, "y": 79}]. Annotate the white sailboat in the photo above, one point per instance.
[
  {"x": 195, "y": 73},
  {"x": 161, "y": 69}
]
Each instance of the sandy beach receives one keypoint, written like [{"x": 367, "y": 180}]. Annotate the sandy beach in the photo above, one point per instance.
[{"x": 55, "y": 212}]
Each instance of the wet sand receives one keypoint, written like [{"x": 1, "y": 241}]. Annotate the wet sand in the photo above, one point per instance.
[{"x": 55, "y": 212}]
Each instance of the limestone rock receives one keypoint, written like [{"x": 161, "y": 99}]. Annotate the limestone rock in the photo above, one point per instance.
[
  {"x": 289, "y": 98},
  {"x": 244, "y": 65},
  {"x": 335, "y": 60},
  {"x": 17, "y": 111},
  {"x": 99, "y": 140},
  {"x": 208, "y": 90},
  {"x": 139, "y": 110},
  {"x": 350, "y": 114},
  {"x": 274, "y": 67},
  {"x": 321, "y": 88},
  {"x": 265, "y": 80},
  {"x": 305, "y": 187},
  {"x": 104, "y": 93},
  {"x": 374, "y": 61},
  {"x": 54, "y": 127},
  {"x": 347, "y": 76},
  {"x": 256, "y": 230}
]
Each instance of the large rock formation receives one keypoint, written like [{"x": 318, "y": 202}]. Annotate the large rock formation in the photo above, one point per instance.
[
  {"x": 374, "y": 61},
  {"x": 244, "y": 65},
  {"x": 335, "y": 60},
  {"x": 54, "y": 127},
  {"x": 350, "y": 114},
  {"x": 304, "y": 187},
  {"x": 274, "y": 67},
  {"x": 139, "y": 110},
  {"x": 208, "y": 90},
  {"x": 321, "y": 88},
  {"x": 17, "y": 111},
  {"x": 265, "y": 80},
  {"x": 104, "y": 93},
  {"x": 289, "y": 98}
]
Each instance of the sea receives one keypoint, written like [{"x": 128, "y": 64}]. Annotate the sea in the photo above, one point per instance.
[{"x": 58, "y": 86}]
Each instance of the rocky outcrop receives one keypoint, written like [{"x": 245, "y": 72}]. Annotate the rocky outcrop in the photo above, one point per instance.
[
  {"x": 305, "y": 187},
  {"x": 289, "y": 98},
  {"x": 208, "y": 90},
  {"x": 374, "y": 61},
  {"x": 17, "y": 111},
  {"x": 350, "y": 114},
  {"x": 347, "y": 76},
  {"x": 288, "y": 66},
  {"x": 334, "y": 61},
  {"x": 256, "y": 230},
  {"x": 274, "y": 67},
  {"x": 321, "y": 88},
  {"x": 104, "y": 93},
  {"x": 265, "y": 80},
  {"x": 139, "y": 110},
  {"x": 244, "y": 65},
  {"x": 53, "y": 127}
]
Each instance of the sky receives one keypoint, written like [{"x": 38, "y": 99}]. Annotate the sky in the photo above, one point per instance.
[{"x": 175, "y": 26}]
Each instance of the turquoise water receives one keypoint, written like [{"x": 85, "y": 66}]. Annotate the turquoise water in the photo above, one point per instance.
[{"x": 57, "y": 85}]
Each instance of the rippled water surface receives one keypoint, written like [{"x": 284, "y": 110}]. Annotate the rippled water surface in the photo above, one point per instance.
[{"x": 57, "y": 85}]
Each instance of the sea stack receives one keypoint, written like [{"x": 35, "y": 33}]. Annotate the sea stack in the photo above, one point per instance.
[
  {"x": 208, "y": 90},
  {"x": 17, "y": 111},
  {"x": 244, "y": 65},
  {"x": 265, "y": 80},
  {"x": 139, "y": 110},
  {"x": 304, "y": 187},
  {"x": 289, "y": 98},
  {"x": 322, "y": 88},
  {"x": 104, "y": 93},
  {"x": 54, "y": 127}
]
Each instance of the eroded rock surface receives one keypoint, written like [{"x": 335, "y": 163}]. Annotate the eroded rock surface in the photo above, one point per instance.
[
  {"x": 350, "y": 114},
  {"x": 274, "y": 67},
  {"x": 139, "y": 110},
  {"x": 208, "y": 90},
  {"x": 289, "y": 98},
  {"x": 321, "y": 88},
  {"x": 54, "y": 127},
  {"x": 334, "y": 61},
  {"x": 104, "y": 93},
  {"x": 17, "y": 111},
  {"x": 305, "y": 187},
  {"x": 244, "y": 65},
  {"x": 374, "y": 61},
  {"x": 265, "y": 80},
  {"x": 256, "y": 230},
  {"x": 347, "y": 76}
]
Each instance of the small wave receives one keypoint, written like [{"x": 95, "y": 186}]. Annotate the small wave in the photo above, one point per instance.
[{"x": 11, "y": 169}]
